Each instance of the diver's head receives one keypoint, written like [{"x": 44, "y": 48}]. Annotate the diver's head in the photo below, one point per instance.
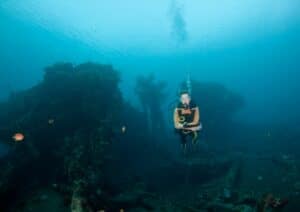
[{"x": 185, "y": 98}]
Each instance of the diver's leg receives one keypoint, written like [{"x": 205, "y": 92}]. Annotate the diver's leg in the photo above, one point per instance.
[
  {"x": 195, "y": 139},
  {"x": 184, "y": 149},
  {"x": 183, "y": 140}
]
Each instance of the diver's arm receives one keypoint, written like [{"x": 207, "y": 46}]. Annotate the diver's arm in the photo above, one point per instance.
[
  {"x": 196, "y": 117},
  {"x": 176, "y": 119}
]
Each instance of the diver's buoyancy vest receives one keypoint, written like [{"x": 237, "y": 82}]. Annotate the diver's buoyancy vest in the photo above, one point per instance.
[{"x": 186, "y": 113}]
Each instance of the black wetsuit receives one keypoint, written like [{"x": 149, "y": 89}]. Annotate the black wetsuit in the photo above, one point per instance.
[{"x": 186, "y": 113}]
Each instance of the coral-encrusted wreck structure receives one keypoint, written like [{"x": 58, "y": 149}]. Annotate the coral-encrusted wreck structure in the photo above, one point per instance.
[
  {"x": 67, "y": 120},
  {"x": 75, "y": 145}
]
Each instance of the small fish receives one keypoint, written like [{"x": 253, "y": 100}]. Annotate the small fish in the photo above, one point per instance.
[
  {"x": 123, "y": 129},
  {"x": 18, "y": 137},
  {"x": 51, "y": 121},
  {"x": 260, "y": 178}
]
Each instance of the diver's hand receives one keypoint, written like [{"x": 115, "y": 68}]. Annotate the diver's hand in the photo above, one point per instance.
[{"x": 180, "y": 126}]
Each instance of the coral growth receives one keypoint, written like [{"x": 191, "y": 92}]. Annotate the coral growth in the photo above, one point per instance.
[{"x": 84, "y": 104}]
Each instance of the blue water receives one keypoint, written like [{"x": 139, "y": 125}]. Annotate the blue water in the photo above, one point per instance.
[{"x": 251, "y": 48}]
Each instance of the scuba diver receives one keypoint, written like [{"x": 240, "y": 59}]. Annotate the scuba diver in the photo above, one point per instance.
[{"x": 187, "y": 120}]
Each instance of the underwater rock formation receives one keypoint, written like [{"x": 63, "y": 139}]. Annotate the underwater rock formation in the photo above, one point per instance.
[
  {"x": 218, "y": 105},
  {"x": 83, "y": 103},
  {"x": 73, "y": 148},
  {"x": 151, "y": 94}
]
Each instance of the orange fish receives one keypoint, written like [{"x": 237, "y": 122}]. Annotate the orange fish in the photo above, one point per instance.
[{"x": 18, "y": 137}]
